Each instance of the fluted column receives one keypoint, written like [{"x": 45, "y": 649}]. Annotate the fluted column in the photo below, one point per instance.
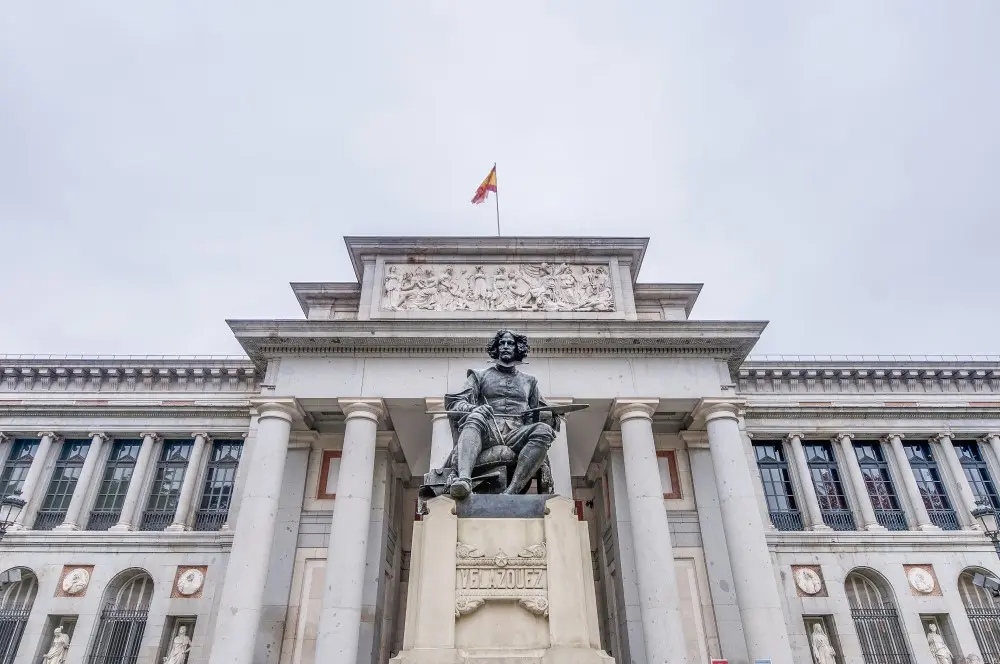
[
  {"x": 753, "y": 574},
  {"x": 72, "y": 519},
  {"x": 659, "y": 600},
  {"x": 340, "y": 618},
  {"x": 562, "y": 478},
  {"x": 857, "y": 479},
  {"x": 993, "y": 439},
  {"x": 805, "y": 479},
  {"x": 895, "y": 440},
  {"x": 967, "y": 502},
  {"x": 242, "y": 593},
  {"x": 31, "y": 480},
  {"x": 190, "y": 483},
  {"x": 132, "y": 495},
  {"x": 441, "y": 436}
]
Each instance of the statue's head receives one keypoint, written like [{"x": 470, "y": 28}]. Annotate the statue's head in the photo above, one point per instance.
[
  {"x": 817, "y": 628},
  {"x": 182, "y": 631},
  {"x": 508, "y": 346},
  {"x": 932, "y": 627}
]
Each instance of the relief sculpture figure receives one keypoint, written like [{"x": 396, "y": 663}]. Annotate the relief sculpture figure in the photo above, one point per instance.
[
  {"x": 502, "y": 428},
  {"x": 59, "y": 649},
  {"x": 939, "y": 649},
  {"x": 822, "y": 649},
  {"x": 179, "y": 648}
]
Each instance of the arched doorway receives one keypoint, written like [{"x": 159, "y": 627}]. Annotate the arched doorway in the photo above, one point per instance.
[
  {"x": 18, "y": 587},
  {"x": 123, "y": 619},
  {"x": 875, "y": 619},
  {"x": 983, "y": 614}
]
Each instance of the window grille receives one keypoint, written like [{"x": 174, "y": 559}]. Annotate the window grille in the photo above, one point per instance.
[
  {"x": 877, "y": 624},
  {"x": 22, "y": 453},
  {"x": 984, "y": 616},
  {"x": 777, "y": 484},
  {"x": 878, "y": 482},
  {"x": 220, "y": 477},
  {"x": 123, "y": 621},
  {"x": 166, "y": 490},
  {"x": 829, "y": 489},
  {"x": 114, "y": 485},
  {"x": 64, "y": 478},
  {"x": 931, "y": 488},
  {"x": 18, "y": 588},
  {"x": 977, "y": 472}
]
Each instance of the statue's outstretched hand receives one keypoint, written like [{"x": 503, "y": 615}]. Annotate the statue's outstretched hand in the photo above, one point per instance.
[{"x": 485, "y": 410}]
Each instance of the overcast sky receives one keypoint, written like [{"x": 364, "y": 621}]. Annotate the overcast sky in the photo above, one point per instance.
[{"x": 829, "y": 167}]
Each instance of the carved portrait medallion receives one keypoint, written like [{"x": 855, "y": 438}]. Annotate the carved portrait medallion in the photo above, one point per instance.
[
  {"x": 75, "y": 581},
  {"x": 921, "y": 579},
  {"x": 189, "y": 581},
  {"x": 807, "y": 580}
]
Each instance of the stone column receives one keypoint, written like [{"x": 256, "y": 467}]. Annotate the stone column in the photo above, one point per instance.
[
  {"x": 340, "y": 618},
  {"x": 72, "y": 520},
  {"x": 190, "y": 483},
  {"x": 241, "y": 598},
  {"x": 559, "y": 456},
  {"x": 663, "y": 635},
  {"x": 132, "y": 496},
  {"x": 753, "y": 574},
  {"x": 967, "y": 500},
  {"x": 868, "y": 517},
  {"x": 910, "y": 482},
  {"x": 993, "y": 439},
  {"x": 31, "y": 480},
  {"x": 805, "y": 479},
  {"x": 441, "y": 437}
]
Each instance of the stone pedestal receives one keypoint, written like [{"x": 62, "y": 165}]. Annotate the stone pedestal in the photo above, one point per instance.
[{"x": 501, "y": 584}]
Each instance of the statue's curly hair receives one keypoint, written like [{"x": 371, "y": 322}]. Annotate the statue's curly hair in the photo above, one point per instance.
[{"x": 520, "y": 341}]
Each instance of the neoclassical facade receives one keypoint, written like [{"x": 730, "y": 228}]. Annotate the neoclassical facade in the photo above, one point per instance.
[{"x": 791, "y": 509}]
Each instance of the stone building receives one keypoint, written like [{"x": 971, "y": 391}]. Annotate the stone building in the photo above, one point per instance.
[{"x": 734, "y": 503}]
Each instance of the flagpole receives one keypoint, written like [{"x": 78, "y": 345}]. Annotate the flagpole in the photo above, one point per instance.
[{"x": 496, "y": 198}]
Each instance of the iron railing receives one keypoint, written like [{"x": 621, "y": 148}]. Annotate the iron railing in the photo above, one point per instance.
[
  {"x": 986, "y": 626},
  {"x": 892, "y": 519},
  {"x": 208, "y": 520},
  {"x": 118, "y": 637},
  {"x": 786, "y": 520},
  {"x": 12, "y": 622},
  {"x": 944, "y": 519},
  {"x": 102, "y": 520},
  {"x": 881, "y": 637},
  {"x": 156, "y": 520},
  {"x": 49, "y": 519},
  {"x": 839, "y": 519}
]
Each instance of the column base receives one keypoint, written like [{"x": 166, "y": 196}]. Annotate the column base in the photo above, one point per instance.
[
  {"x": 875, "y": 527},
  {"x": 64, "y": 527},
  {"x": 120, "y": 528},
  {"x": 927, "y": 527},
  {"x": 820, "y": 528},
  {"x": 175, "y": 528}
]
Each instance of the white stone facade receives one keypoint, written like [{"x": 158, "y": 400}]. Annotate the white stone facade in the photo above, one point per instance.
[{"x": 736, "y": 506}]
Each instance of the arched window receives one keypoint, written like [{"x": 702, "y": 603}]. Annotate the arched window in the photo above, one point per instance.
[
  {"x": 18, "y": 587},
  {"x": 983, "y": 614},
  {"x": 123, "y": 619},
  {"x": 875, "y": 619}
]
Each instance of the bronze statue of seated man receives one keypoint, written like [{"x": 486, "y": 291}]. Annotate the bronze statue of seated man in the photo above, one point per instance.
[{"x": 499, "y": 421}]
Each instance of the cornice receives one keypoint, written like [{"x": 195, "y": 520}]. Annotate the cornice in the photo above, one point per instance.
[
  {"x": 870, "y": 412},
  {"x": 931, "y": 376},
  {"x": 730, "y": 341},
  {"x": 424, "y": 248},
  {"x": 684, "y": 295},
  {"x": 128, "y": 542},
  {"x": 62, "y": 410},
  {"x": 960, "y": 540}
]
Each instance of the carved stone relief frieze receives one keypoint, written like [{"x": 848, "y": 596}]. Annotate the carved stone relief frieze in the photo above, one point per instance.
[
  {"x": 509, "y": 287},
  {"x": 520, "y": 579}
]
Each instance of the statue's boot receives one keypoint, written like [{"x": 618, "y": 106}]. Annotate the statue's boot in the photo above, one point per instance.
[
  {"x": 528, "y": 462},
  {"x": 470, "y": 443}
]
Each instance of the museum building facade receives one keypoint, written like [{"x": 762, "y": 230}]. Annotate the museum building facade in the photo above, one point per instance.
[{"x": 260, "y": 509}]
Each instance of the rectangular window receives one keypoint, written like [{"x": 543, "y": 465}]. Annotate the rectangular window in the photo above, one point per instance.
[
  {"x": 220, "y": 478},
  {"x": 878, "y": 481},
  {"x": 977, "y": 472},
  {"x": 931, "y": 487},
  {"x": 22, "y": 453},
  {"x": 777, "y": 484},
  {"x": 829, "y": 489},
  {"x": 63, "y": 483},
  {"x": 166, "y": 490},
  {"x": 114, "y": 485}
]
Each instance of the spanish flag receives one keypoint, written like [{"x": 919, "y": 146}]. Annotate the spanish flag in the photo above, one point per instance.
[{"x": 488, "y": 185}]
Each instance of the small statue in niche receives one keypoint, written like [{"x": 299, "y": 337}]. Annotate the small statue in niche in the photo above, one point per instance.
[
  {"x": 179, "y": 647},
  {"x": 822, "y": 649},
  {"x": 939, "y": 649},
  {"x": 59, "y": 649}
]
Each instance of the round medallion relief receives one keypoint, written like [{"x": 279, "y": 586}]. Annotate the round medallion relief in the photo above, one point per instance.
[
  {"x": 190, "y": 581},
  {"x": 75, "y": 581},
  {"x": 808, "y": 581},
  {"x": 921, "y": 580}
]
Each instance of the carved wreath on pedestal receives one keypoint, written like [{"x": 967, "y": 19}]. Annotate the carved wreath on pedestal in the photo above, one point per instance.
[
  {"x": 511, "y": 287},
  {"x": 520, "y": 578}
]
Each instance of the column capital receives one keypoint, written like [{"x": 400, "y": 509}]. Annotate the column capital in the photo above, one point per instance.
[
  {"x": 203, "y": 434},
  {"x": 283, "y": 409},
  {"x": 714, "y": 409},
  {"x": 841, "y": 437},
  {"x": 695, "y": 439},
  {"x": 372, "y": 409},
  {"x": 152, "y": 435},
  {"x": 988, "y": 437},
  {"x": 4, "y": 437},
  {"x": 888, "y": 438},
  {"x": 99, "y": 434},
  {"x": 434, "y": 406},
  {"x": 627, "y": 409},
  {"x": 941, "y": 437},
  {"x": 51, "y": 434},
  {"x": 795, "y": 435}
]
